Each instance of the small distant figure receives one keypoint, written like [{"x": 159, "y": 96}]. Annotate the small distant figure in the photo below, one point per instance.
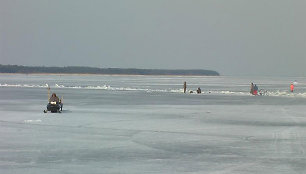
[
  {"x": 255, "y": 91},
  {"x": 185, "y": 87},
  {"x": 54, "y": 98},
  {"x": 252, "y": 89},
  {"x": 291, "y": 87},
  {"x": 199, "y": 90}
]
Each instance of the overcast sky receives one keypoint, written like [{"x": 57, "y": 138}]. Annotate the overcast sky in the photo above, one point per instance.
[{"x": 233, "y": 37}]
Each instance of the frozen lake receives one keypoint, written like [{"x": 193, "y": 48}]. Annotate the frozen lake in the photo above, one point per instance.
[{"x": 146, "y": 124}]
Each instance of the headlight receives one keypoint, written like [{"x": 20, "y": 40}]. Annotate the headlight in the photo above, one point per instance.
[{"x": 53, "y": 103}]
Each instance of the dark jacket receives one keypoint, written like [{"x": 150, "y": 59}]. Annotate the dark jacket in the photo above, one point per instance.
[{"x": 54, "y": 99}]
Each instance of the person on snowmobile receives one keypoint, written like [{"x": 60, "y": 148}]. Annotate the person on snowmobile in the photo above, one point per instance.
[{"x": 54, "y": 98}]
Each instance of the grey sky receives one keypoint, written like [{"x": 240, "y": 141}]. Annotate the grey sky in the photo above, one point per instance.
[{"x": 234, "y": 37}]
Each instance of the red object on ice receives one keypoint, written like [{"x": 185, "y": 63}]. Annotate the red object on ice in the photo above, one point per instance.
[{"x": 291, "y": 87}]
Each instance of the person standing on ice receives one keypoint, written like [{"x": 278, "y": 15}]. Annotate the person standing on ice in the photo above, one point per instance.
[
  {"x": 199, "y": 90},
  {"x": 255, "y": 90},
  {"x": 252, "y": 88},
  {"x": 291, "y": 87}
]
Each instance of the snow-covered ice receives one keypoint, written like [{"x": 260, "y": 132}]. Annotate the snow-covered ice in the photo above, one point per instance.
[{"x": 145, "y": 124}]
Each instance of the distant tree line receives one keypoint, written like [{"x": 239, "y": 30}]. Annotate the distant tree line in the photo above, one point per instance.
[{"x": 91, "y": 70}]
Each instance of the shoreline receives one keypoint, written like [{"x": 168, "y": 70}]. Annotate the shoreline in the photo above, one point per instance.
[{"x": 90, "y": 74}]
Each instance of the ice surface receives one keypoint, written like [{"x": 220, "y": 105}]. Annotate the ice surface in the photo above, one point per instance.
[{"x": 154, "y": 128}]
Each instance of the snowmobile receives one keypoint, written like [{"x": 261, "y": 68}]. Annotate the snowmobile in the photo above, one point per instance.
[{"x": 54, "y": 106}]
